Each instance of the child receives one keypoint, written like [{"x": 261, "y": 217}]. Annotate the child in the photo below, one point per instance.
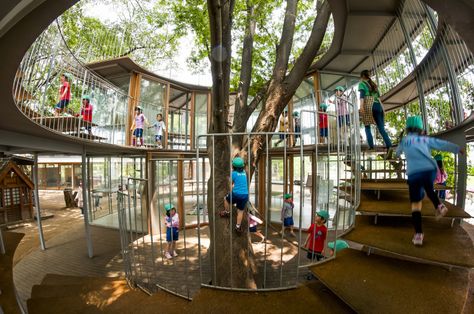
[
  {"x": 160, "y": 128},
  {"x": 253, "y": 222},
  {"x": 284, "y": 127},
  {"x": 297, "y": 125},
  {"x": 78, "y": 198},
  {"x": 64, "y": 94},
  {"x": 343, "y": 117},
  {"x": 441, "y": 176},
  {"x": 317, "y": 236},
  {"x": 323, "y": 124},
  {"x": 339, "y": 245},
  {"x": 172, "y": 231},
  {"x": 86, "y": 113},
  {"x": 137, "y": 127},
  {"x": 287, "y": 214},
  {"x": 421, "y": 170},
  {"x": 239, "y": 193}
]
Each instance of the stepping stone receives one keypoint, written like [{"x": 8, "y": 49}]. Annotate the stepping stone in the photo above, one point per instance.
[
  {"x": 442, "y": 244},
  {"x": 377, "y": 284}
]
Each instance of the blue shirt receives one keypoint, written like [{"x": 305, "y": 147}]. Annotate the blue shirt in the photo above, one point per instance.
[
  {"x": 417, "y": 151},
  {"x": 240, "y": 183}
]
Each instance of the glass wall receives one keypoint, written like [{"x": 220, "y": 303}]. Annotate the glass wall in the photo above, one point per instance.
[
  {"x": 152, "y": 101},
  {"x": 200, "y": 117},
  {"x": 55, "y": 176}
]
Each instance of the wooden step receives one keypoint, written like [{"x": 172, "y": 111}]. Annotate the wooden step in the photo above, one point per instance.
[
  {"x": 443, "y": 244},
  {"x": 398, "y": 203},
  {"x": 56, "y": 279},
  {"x": 97, "y": 290},
  {"x": 391, "y": 185},
  {"x": 377, "y": 284}
]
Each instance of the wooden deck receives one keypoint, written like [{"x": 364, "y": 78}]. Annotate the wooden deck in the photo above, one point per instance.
[{"x": 391, "y": 185}]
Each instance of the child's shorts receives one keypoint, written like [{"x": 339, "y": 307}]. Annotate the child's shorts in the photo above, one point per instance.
[
  {"x": 288, "y": 221},
  {"x": 138, "y": 133},
  {"x": 63, "y": 103},
  {"x": 323, "y": 132},
  {"x": 239, "y": 200},
  {"x": 342, "y": 118},
  {"x": 282, "y": 136},
  {"x": 418, "y": 182},
  {"x": 297, "y": 130},
  {"x": 158, "y": 138},
  {"x": 253, "y": 229},
  {"x": 314, "y": 255},
  {"x": 172, "y": 235}
]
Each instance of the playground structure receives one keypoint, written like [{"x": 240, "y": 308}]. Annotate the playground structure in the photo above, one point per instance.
[{"x": 340, "y": 176}]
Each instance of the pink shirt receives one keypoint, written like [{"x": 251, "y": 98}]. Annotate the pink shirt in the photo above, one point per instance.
[
  {"x": 139, "y": 121},
  {"x": 341, "y": 103}
]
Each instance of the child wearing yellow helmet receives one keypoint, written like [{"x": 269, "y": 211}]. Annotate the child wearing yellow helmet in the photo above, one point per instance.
[{"x": 421, "y": 170}]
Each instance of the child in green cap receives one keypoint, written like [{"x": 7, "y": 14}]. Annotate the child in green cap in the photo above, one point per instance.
[
  {"x": 421, "y": 170},
  {"x": 337, "y": 246},
  {"x": 287, "y": 213},
  {"x": 323, "y": 124},
  {"x": 317, "y": 233},
  {"x": 172, "y": 230}
]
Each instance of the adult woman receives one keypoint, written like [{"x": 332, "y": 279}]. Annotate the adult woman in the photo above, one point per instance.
[{"x": 371, "y": 109}]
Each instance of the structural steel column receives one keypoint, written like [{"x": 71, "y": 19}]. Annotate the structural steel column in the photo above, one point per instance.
[
  {"x": 418, "y": 74},
  {"x": 182, "y": 222},
  {"x": 85, "y": 201},
  {"x": 261, "y": 186},
  {"x": 37, "y": 203}
]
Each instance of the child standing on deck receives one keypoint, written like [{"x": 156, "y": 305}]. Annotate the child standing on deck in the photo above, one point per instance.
[
  {"x": 239, "y": 194},
  {"x": 317, "y": 236},
  {"x": 137, "y": 127},
  {"x": 64, "y": 94},
  {"x": 421, "y": 170},
  {"x": 441, "y": 176},
  {"x": 323, "y": 124},
  {"x": 284, "y": 127},
  {"x": 287, "y": 214},
  {"x": 172, "y": 230},
  {"x": 297, "y": 126},
  {"x": 86, "y": 113},
  {"x": 160, "y": 128}
]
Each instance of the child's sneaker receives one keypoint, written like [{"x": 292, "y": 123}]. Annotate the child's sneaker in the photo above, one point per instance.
[
  {"x": 224, "y": 213},
  {"x": 175, "y": 254},
  {"x": 168, "y": 255},
  {"x": 418, "y": 239},
  {"x": 441, "y": 211}
]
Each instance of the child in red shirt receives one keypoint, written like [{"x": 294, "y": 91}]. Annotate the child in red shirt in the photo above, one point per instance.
[
  {"x": 317, "y": 236},
  {"x": 323, "y": 123},
  {"x": 64, "y": 94},
  {"x": 86, "y": 113}
]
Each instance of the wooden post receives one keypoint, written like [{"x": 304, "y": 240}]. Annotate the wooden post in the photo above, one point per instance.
[
  {"x": 290, "y": 122},
  {"x": 166, "y": 112},
  {"x": 313, "y": 189},
  {"x": 291, "y": 163},
  {"x": 317, "y": 89},
  {"x": 182, "y": 222},
  {"x": 134, "y": 96}
]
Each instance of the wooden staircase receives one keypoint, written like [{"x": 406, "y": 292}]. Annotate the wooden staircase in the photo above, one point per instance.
[{"x": 390, "y": 274}]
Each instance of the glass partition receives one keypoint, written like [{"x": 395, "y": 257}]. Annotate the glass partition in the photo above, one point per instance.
[{"x": 200, "y": 117}]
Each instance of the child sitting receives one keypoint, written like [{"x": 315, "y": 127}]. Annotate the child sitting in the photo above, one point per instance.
[
  {"x": 172, "y": 230},
  {"x": 323, "y": 124},
  {"x": 421, "y": 170},
  {"x": 317, "y": 236},
  {"x": 239, "y": 194},
  {"x": 441, "y": 176},
  {"x": 337, "y": 246},
  {"x": 287, "y": 214}
]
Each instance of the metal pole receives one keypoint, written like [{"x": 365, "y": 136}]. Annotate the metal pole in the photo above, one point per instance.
[
  {"x": 37, "y": 203},
  {"x": 2, "y": 245},
  {"x": 85, "y": 187}
]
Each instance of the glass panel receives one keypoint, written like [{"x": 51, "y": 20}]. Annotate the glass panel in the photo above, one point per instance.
[
  {"x": 152, "y": 101},
  {"x": 200, "y": 116}
]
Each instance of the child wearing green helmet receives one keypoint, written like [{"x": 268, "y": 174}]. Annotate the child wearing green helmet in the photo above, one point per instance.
[
  {"x": 323, "y": 124},
  {"x": 287, "y": 213},
  {"x": 317, "y": 233},
  {"x": 239, "y": 194},
  {"x": 172, "y": 230},
  {"x": 421, "y": 170}
]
